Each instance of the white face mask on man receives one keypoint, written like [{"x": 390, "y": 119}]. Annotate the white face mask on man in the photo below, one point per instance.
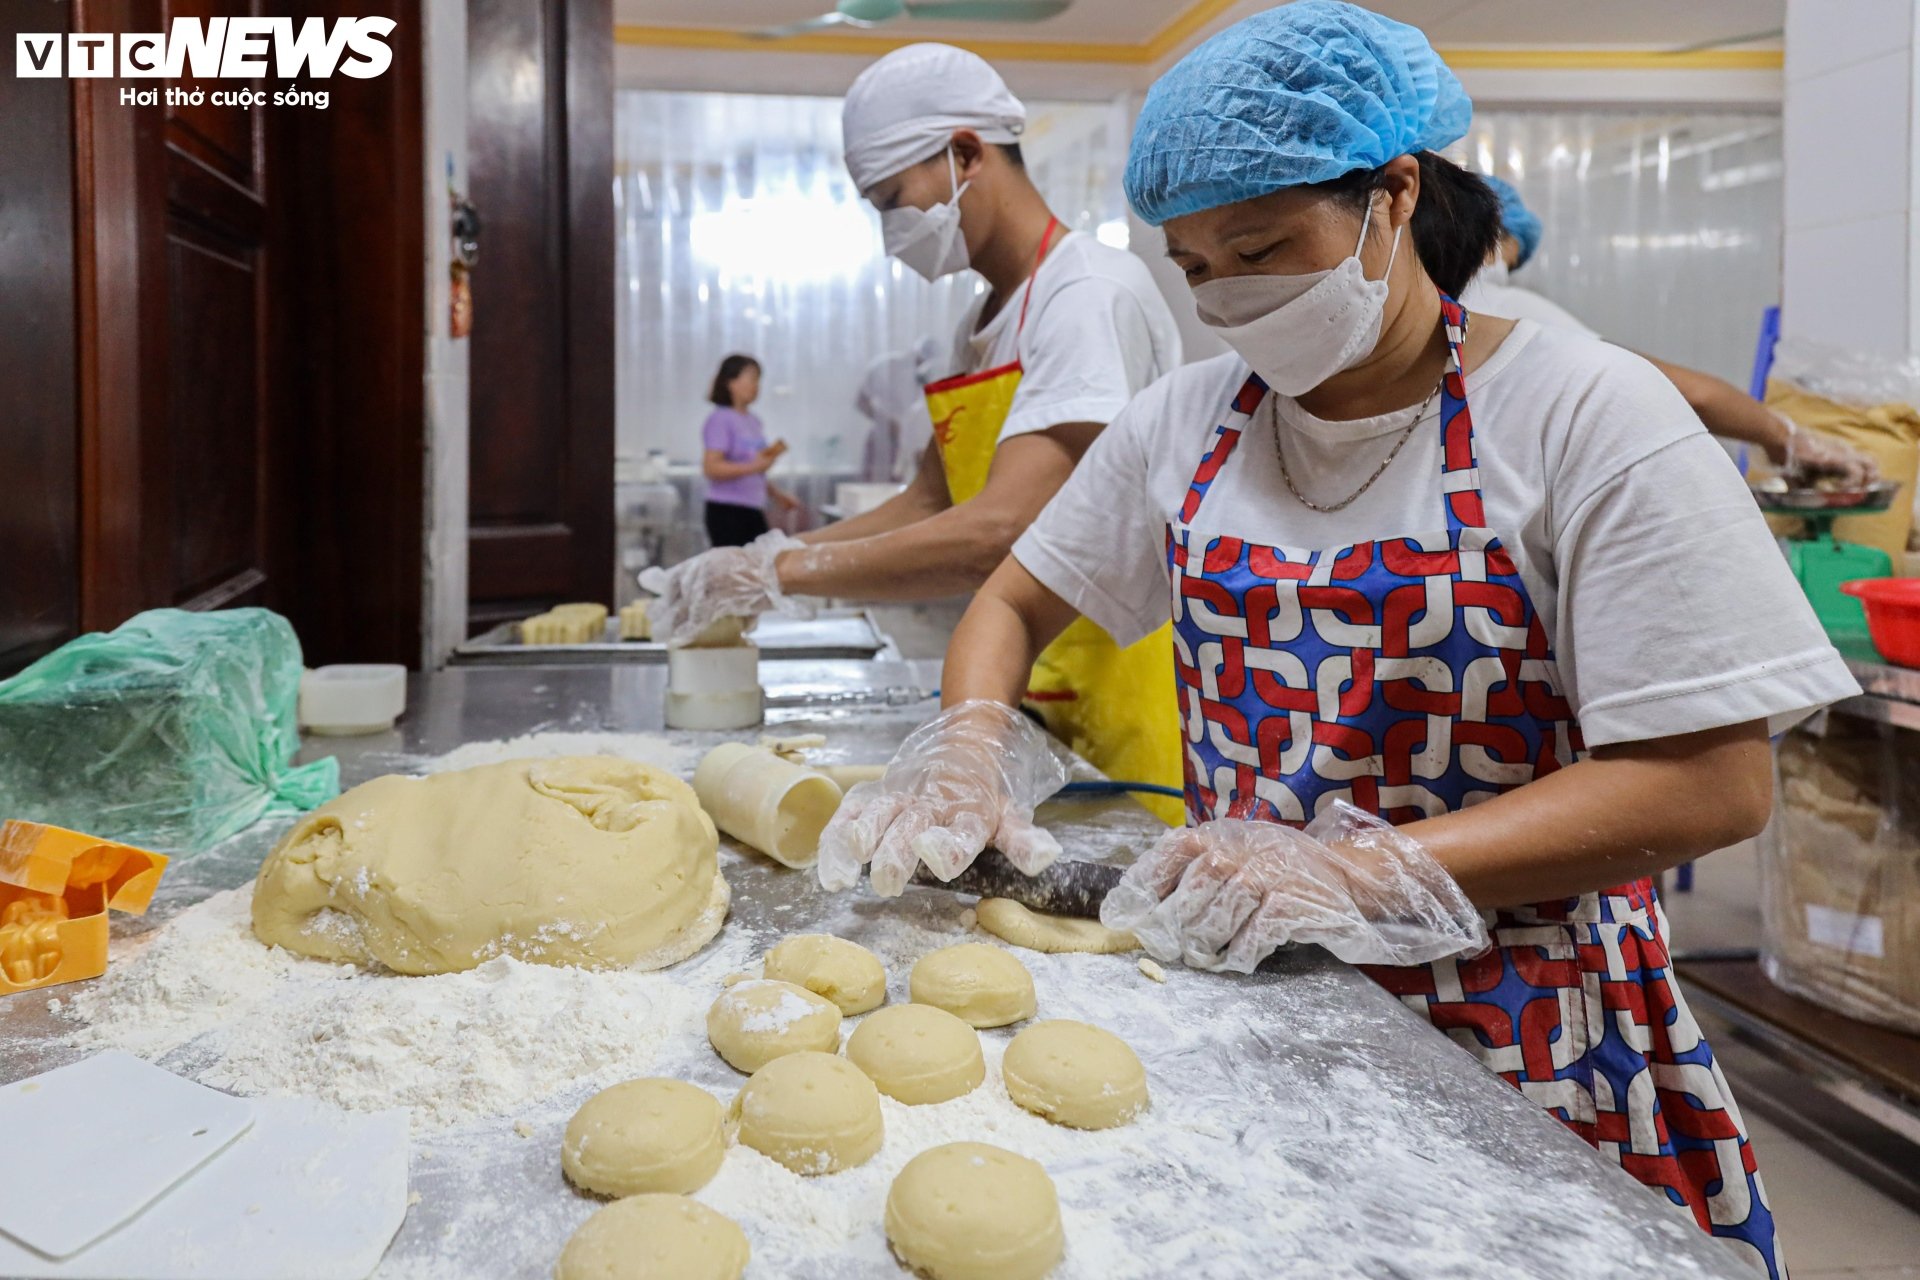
[
  {"x": 1298, "y": 331},
  {"x": 929, "y": 240}
]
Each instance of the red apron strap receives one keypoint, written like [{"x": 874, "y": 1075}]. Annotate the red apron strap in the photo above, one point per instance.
[{"x": 1046, "y": 243}]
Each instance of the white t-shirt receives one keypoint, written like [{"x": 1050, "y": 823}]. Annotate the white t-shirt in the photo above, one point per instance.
[
  {"x": 1098, "y": 333},
  {"x": 1514, "y": 302},
  {"x": 1663, "y": 595}
]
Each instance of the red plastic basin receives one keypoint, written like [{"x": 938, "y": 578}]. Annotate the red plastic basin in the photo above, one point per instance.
[{"x": 1893, "y": 616}]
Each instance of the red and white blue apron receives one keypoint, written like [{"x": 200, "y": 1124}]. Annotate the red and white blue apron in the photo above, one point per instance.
[{"x": 1411, "y": 676}]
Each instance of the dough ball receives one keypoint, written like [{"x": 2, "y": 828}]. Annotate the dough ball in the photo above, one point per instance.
[
  {"x": 1075, "y": 1075},
  {"x": 645, "y": 1135},
  {"x": 581, "y": 860},
  {"x": 844, "y": 972},
  {"x": 1010, "y": 922},
  {"x": 654, "y": 1237},
  {"x": 969, "y": 1211},
  {"x": 917, "y": 1054},
  {"x": 756, "y": 1021},
  {"x": 981, "y": 985},
  {"x": 812, "y": 1112}
]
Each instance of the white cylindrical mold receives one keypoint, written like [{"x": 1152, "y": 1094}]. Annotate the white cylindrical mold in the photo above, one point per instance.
[
  {"x": 713, "y": 671},
  {"x": 767, "y": 803},
  {"x": 741, "y": 709},
  {"x": 352, "y": 698}
]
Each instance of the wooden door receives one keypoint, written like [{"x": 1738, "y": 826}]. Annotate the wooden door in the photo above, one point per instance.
[
  {"x": 540, "y": 147},
  {"x": 249, "y": 337},
  {"x": 39, "y": 432}
]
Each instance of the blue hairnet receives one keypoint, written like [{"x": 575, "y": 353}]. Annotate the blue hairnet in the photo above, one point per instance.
[
  {"x": 1516, "y": 219},
  {"x": 1302, "y": 93}
]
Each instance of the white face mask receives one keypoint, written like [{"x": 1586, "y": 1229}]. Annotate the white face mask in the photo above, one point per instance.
[
  {"x": 1495, "y": 272},
  {"x": 1298, "y": 331},
  {"x": 929, "y": 240}
]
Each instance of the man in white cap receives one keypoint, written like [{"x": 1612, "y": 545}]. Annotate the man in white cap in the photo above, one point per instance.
[{"x": 1069, "y": 330}]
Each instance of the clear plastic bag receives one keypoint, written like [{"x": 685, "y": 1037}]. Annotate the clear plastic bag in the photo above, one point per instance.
[
  {"x": 1863, "y": 379},
  {"x": 1840, "y": 871},
  {"x": 171, "y": 733}
]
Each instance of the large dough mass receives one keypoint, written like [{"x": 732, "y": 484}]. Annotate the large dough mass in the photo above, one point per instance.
[{"x": 581, "y": 860}]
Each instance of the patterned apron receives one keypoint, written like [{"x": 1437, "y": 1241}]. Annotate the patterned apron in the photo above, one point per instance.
[
  {"x": 1085, "y": 688},
  {"x": 1411, "y": 676}
]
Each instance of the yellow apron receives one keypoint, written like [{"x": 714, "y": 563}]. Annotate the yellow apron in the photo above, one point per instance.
[{"x": 1114, "y": 706}]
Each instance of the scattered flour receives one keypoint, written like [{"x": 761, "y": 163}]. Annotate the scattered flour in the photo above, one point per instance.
[
  {"x": 207, "y": 998},
  {"x": 1271, "y": 1145},
  {"x": 776, "y": 1018}
]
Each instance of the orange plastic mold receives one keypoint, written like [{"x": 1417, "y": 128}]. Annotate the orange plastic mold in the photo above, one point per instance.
[{"x": 56, "y": 887}]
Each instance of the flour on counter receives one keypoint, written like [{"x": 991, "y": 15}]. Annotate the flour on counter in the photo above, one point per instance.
[{"x": 205, "y": 997}]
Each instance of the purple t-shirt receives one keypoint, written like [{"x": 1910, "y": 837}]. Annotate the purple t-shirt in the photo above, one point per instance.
[{"x": 737, "y": 436}]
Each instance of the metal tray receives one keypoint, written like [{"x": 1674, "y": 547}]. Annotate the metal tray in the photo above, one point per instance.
[
  {"x": 836, "y": 633},
  {"x": 1838, "y": 501}
]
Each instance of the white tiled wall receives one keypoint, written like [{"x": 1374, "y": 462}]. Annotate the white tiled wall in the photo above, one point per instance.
[{"x": 1852, "y": 188}]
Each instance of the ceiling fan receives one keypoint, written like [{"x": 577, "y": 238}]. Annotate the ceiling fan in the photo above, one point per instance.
[{"x": 871, "y": 13}]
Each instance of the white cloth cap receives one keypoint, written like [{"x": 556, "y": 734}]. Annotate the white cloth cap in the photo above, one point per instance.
[{"x": 904, "y": 107}]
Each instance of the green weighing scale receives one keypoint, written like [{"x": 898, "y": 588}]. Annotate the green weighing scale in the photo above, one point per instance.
[{"x": 1820, "y": 563}]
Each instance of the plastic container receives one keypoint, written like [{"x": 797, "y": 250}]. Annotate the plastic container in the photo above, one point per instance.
[
  {"x": 717, "y": 688},
  {"x": 741, "y": 709},
  {"x": 770, "y": 804},
  {"x": 1893, "y": 616},
  {"x": 56, "y": 887},
  {"x": 352, "y": 698}
]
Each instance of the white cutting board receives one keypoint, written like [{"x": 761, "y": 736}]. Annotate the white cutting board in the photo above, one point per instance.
[
  {"x": 99, "y": 1141},
  {"x": 310, "y": 1193}
]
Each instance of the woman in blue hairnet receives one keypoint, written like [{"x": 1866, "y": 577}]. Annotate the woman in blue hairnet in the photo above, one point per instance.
[
  {"x": 1725, "y": 409},
  {"x": 1476, "y": 630}
]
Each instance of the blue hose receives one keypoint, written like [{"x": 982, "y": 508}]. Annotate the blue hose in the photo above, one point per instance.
[{"x": 1105, "y": 788}]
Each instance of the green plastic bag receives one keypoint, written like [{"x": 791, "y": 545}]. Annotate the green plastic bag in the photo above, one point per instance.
[{"x": 171, "y": 733}]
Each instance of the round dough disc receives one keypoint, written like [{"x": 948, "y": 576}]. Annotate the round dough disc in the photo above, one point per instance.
[
  {"x": 1011, "y": 922},
  {"x": 755, "y": 1021},
  {"x": 645, "y": 1135},
  {"x": 1075, "y": 1075},
  {"x": 969, "y": 1211},
  {"x": 982, "y": 985},
  {"x": 654, "y": 1237},
  {"x": 844, "y": 972},
  {"x": 812, "y": 1112},
  {"x": 917, "y": 1054}
]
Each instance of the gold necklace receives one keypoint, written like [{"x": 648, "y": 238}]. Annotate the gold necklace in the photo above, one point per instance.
[{"x": 1280, "y": 453}]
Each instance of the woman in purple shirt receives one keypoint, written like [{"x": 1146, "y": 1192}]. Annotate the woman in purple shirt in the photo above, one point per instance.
[{"x": 736, "y": 457}]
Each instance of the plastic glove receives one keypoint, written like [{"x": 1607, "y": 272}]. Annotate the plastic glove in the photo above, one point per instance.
[
  {"x": 1224, "y": 895},
  {"x": 970, "y": 777},
  {"x": 1814, "y": 455},
  {"x": 726, "y": 582}
]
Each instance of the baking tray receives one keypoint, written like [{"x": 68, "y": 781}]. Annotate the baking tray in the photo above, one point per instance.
[{"x": 835, "y": 633}]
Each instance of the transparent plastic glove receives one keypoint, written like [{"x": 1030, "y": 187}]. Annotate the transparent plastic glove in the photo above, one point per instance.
[
  {"x": 970, "y": 777},
  {"x": 1226, "y": 894},
  {"x": 1814, "y": 455},
  {"x": 726, "y": 582}
]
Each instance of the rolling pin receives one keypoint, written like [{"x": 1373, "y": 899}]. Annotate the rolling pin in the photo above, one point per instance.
[{"x": 1066, "y": 888}]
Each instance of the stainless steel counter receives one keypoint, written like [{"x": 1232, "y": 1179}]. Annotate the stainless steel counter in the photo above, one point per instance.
[
  {"x": 1887, "y": 693},
  {"x": 1404, "y": 1157}
]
